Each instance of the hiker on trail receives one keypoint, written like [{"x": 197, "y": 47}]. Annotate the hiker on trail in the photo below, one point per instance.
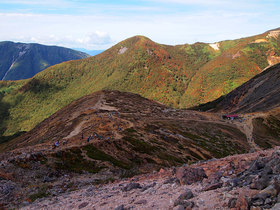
[
  {"x": 82, "y": 135},
  {"x": 57, "y": 143},
  {"x": 88, "y": 139},
  {"x": 63, "y": 142}
]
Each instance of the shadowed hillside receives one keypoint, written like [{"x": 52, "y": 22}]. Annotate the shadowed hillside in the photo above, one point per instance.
[{"x": 22, "y": 61}]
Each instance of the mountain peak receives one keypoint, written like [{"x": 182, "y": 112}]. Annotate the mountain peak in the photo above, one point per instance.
[{"x": 136, "y": 40}]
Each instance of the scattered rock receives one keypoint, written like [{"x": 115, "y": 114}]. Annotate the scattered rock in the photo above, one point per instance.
[
  {"x": 161, "y": 171},
  {"x": 255, "y": 208},
  {"x": 148, "y": 186},
  {"x": 241, "y": 203},
  {"x": 90, "y": 189},
  {"x": 185, "y": 204},
  {"x": 131, "y": 186},
  {"x": 141, "y": 202},
  {"x": 213, "y": 186},
  {"x": 260, "y": 198},
  {"x": 181, "y": 200},
  {"x": 276, "y": 206},
  {"x": 188, "y": 175},
  {"x": 83, "y": 205},
  {"x": 179, "y": 207},
  {"x": 25, "y": 203},
  {"x": 186, "y": 195},
  {"x": 121, "y": 207},
  {"x": 171, "y": 181},
  {"x": 47, "y": 179},
  {"x": 257, "y": 164},
  {"x": 268, "y": 201},
  {"x": 261, "y": 183},
  {"x": 216, "y": 176},
  {"x": 234, "y": 182},
  {"x": 6, "y": 187},
  {"x": 232, "y": 203}
]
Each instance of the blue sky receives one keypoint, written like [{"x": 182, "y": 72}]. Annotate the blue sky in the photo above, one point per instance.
[{"x": 96, "y": 24}]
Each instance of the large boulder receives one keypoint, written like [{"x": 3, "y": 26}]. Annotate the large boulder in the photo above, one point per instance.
[
  {"x": 131, "y": 186},
  {"x": 188, "y": 175}
]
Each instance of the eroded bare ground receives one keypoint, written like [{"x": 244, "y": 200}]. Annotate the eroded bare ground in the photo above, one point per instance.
[
  {"x": 234, "y": 182},
  {"x": 130, "y": 135}
]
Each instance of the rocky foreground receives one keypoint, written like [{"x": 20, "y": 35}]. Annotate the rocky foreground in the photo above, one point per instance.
[{"x": 247, "y": 181}]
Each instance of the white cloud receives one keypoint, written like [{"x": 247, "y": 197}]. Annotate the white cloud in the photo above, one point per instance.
[
  {"x": 36, "y": 2},
  {"x": 96, "y": 40},
  {"x": 102, "y": 30},
  {"x": 204, "y": 2},
  {"x": 65, "y": 30}
]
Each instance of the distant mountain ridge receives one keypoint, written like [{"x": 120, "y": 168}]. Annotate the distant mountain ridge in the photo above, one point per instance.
[
  {"x": 90, "y": 52},
  {"x": 22, "y": 61}
]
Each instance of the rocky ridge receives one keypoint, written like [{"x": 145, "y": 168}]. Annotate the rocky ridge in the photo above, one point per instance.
[
  {"x": 247, "y": 181},
  {"x": 111, "y": 136}
]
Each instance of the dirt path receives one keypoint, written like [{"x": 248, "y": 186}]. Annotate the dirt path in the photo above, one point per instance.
[
  {"x": 247, "y": 127},
  {"x": 76, "y": 131},
  {"x": 101, "y": 104}
]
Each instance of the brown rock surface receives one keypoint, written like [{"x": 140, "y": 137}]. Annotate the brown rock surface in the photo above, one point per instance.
[
  {"x": 134, "y": 137},
  {"x": 164, "y": 195}
]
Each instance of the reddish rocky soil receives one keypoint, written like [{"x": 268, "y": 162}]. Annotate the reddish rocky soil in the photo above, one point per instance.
[
  {"x": 248, "y": 181},
  {"x": 135, "y": 156}
]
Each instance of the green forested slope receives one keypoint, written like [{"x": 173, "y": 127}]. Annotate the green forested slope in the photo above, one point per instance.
[{"x": 178, "y": 76}]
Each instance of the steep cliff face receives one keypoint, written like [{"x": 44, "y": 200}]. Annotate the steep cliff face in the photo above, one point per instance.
[{"x": 22, "y": 61}]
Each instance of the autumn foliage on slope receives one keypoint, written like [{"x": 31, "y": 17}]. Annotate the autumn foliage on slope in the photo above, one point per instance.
[{"x": 179, "y": 76}]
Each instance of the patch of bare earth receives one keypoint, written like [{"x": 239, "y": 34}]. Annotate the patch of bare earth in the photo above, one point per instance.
[{"x": 230, "y": 183}]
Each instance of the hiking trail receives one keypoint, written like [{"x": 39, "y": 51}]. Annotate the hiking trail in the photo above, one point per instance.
[{"x": 248, "y": 128}]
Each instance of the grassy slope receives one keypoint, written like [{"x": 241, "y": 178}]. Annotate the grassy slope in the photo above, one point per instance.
[
  {"x": 178, "y": 76},
  {"x": 259, "y": 94}
]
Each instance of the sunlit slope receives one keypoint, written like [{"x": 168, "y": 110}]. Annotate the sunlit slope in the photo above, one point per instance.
[
  {"x": 179, "y": 76},
  {"x": 259, "y": 94}
]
